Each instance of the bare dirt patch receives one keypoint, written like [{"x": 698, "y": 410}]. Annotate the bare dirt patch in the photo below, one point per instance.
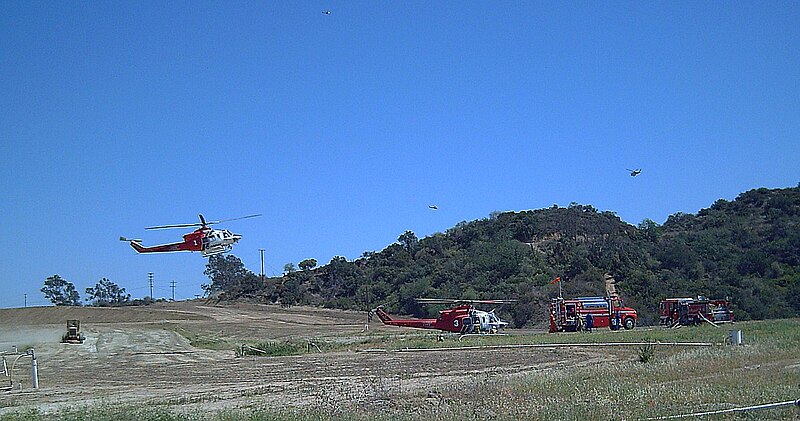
[{"x": 142, "y": 355}]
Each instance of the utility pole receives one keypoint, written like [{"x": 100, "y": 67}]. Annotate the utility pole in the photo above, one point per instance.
[
  {"x": 26, "y": 300},
  {"x": 262, "y": 265},
  {"x": 173, "y": 290},
  {"x": 150, "y": 282}
]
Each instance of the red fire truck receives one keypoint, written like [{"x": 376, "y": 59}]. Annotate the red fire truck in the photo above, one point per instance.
[
  {"x": 570, "y": 315},
  {"x": 692, "y": 311}
]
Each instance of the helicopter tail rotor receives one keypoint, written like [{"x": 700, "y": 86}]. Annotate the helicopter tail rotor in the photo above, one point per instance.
[
  {"x": 372, "y": 313},
  {"x": 381, "y": 313}
]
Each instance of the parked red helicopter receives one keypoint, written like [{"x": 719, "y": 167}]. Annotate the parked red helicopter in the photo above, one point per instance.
[
  {"x": 206, "y": 240},
  {"x": 463, "y": 319}
]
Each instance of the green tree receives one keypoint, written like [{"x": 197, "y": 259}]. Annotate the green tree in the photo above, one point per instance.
[
  {"x": 227, "y": 273},
  {"x": 292, "y": 289},
  {"x": 106, "y": 293},
  {"x": 60, "y": 292},
  {"x": 339, "y": 282},
  {"x": 408, "y": 240},
  {"x": 649, "y": 228},
  {"x": 307, "y": 264}
]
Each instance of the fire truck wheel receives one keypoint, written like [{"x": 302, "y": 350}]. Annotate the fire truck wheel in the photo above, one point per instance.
[{"x": 629, "y": 323}]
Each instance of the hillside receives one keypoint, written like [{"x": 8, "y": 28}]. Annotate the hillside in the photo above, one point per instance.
[{"x": 747, "y": 249}]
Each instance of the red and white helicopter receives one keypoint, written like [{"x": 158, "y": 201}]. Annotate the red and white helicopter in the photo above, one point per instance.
[
  {"x": 464, "y": 318},
  {"x": 206, "y": 240}
]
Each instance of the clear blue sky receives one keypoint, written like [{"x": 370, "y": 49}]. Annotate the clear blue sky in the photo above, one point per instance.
[{"x": 341, "y": 129}]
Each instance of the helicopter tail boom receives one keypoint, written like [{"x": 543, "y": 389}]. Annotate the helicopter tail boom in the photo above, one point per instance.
[
  {"x": 417, "y": 323},
  {"x": 384, "y": 316},
  {"x": 137, "y": 245}
]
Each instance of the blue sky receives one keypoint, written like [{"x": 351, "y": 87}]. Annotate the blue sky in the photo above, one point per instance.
[{"x": 341, "y": 129}]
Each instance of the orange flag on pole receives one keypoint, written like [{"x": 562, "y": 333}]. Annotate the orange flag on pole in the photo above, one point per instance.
[{"x": 558, "y": 279}]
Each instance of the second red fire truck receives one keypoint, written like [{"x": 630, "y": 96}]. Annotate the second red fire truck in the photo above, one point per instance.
[
  {"x": 570, "y": 315},
  {"x": 692, "y": 311}
]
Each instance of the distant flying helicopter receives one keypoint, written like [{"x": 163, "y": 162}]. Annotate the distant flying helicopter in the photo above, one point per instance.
[
  {"x": 434, "y": 207},
  {"x": 326, "y": 12},
  {"x": 635, "y": 172},
  {"x": 206, "y": 240},
  {"x": 464, "y": 318}
]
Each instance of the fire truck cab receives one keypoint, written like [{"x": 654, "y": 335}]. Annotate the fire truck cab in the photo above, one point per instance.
[
  {"x": 569, "y": 315},
  {"x": 692, "y": 311}
]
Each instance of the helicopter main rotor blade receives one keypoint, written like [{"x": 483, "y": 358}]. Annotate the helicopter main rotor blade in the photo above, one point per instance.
[
  {"x": 436, "y": 300},
  {"x": 203, "y": 223},
  {"x": 161, "y": 227},
  {"x": 233, "y": 219},
  {"x": 454, "y": 301},
  {"x": 492, "y": 301}
]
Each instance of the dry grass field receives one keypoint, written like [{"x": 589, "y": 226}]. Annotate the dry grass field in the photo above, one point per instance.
[{"x": 183, "y": 361}]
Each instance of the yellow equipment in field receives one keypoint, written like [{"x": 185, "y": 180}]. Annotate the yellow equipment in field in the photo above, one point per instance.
[{"x": 73, "y": 335}]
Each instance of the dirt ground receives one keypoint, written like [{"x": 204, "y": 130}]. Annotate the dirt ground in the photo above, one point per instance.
[{"x": 141, "y": 355}]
